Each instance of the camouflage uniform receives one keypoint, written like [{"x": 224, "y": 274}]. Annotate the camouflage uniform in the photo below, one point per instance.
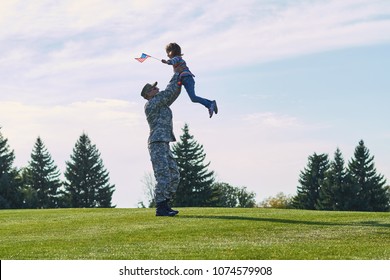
[{"x": 159, "y": 117}]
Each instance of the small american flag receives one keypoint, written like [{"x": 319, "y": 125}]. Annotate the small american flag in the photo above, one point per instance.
[{"x": 143, "y": 57}]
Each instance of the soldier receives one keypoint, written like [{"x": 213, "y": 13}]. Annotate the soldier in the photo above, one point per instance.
[{"x": 159, "y": 117}]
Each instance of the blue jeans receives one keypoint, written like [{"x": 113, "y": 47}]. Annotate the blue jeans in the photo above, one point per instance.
[{"x": 189, "y": 84}]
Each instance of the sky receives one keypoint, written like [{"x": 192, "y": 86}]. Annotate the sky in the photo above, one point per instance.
[{"x": 291, "y": 78}]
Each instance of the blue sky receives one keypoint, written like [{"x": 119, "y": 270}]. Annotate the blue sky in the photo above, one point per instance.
[{"x": 291, "y": 78}]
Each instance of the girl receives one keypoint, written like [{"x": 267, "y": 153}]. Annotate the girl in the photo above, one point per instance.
[{"x": 187, "y": 78}]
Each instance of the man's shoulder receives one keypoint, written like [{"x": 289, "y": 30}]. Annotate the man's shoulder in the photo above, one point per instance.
[
  {"x": 148, "y": 107},
  {"x": 156, "y": 101}
]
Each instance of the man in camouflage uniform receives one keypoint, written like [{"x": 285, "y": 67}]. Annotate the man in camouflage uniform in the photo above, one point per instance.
[{"x": 159, "y": 117}]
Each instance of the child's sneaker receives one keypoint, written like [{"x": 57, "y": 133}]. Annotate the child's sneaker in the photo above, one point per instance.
[{"x": 213, "y": 108}]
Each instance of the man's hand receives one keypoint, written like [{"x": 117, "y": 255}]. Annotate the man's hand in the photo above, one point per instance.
[{"x": 164, "y": 61}]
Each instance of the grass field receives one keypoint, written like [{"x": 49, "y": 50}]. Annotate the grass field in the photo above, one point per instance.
[{"x": 195, "y": 234}]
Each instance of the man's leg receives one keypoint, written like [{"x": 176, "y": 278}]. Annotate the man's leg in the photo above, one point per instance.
[
  {"x": 175, "y": 175},
  {"x": 160, "y": 157},
  {"x": 175, "y": 179}
]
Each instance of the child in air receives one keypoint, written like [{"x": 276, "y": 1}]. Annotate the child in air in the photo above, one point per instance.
[{"x": 187, "y": 78}]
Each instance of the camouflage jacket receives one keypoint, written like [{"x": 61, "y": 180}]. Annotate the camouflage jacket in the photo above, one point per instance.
[{"x": 159, "y": 115}]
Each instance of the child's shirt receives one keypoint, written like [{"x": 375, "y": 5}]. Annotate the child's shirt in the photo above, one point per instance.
[{"x": 179, "y": 61}]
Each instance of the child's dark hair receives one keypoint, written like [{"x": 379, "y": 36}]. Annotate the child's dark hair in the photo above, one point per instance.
[{"x": 174, "y": 49}]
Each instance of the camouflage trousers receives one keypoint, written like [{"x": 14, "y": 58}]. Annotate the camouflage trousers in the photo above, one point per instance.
[{"x": 165, "y": 170}]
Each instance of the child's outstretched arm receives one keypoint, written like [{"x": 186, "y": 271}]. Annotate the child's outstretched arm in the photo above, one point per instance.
[{"x": 172, "y": 61}]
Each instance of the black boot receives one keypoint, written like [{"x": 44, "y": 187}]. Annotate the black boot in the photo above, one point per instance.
[
  {"x": 170, "y": 209},
  {"x": 163, "y": 210}
]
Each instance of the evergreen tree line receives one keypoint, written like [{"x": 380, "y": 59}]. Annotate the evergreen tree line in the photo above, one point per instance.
[
  {"x": 39, "y": 185},
  {"x": 198, "y": 186},
  {"x": 331, "y": 185}
]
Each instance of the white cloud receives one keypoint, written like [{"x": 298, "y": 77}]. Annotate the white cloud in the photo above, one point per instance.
[
  {"x": 64, "y": 123},
  {"x": 237, "y": 34},
  {"x": 273, "y": 120},
  {"x": 298, "y": 29},
  {"x": 76, "y": 43}
]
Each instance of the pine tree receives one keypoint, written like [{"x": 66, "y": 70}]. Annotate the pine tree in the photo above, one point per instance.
[
  {"x": 10, "y": 186},
  {"x": 42, "y": 177},
  {"x": 311, "y": 180},
  {"x": 370, "y": 186},
  {"x": 334, "y": 192},
  {"x": 87, "y": 182},
  {"x": 195, "y": 187}
]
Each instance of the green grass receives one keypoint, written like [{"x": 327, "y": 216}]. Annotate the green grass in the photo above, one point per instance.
[{"x": 196, "y": 233}]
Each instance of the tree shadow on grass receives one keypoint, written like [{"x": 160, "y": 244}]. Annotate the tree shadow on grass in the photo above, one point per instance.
[{"x": 286, "y": 221}]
